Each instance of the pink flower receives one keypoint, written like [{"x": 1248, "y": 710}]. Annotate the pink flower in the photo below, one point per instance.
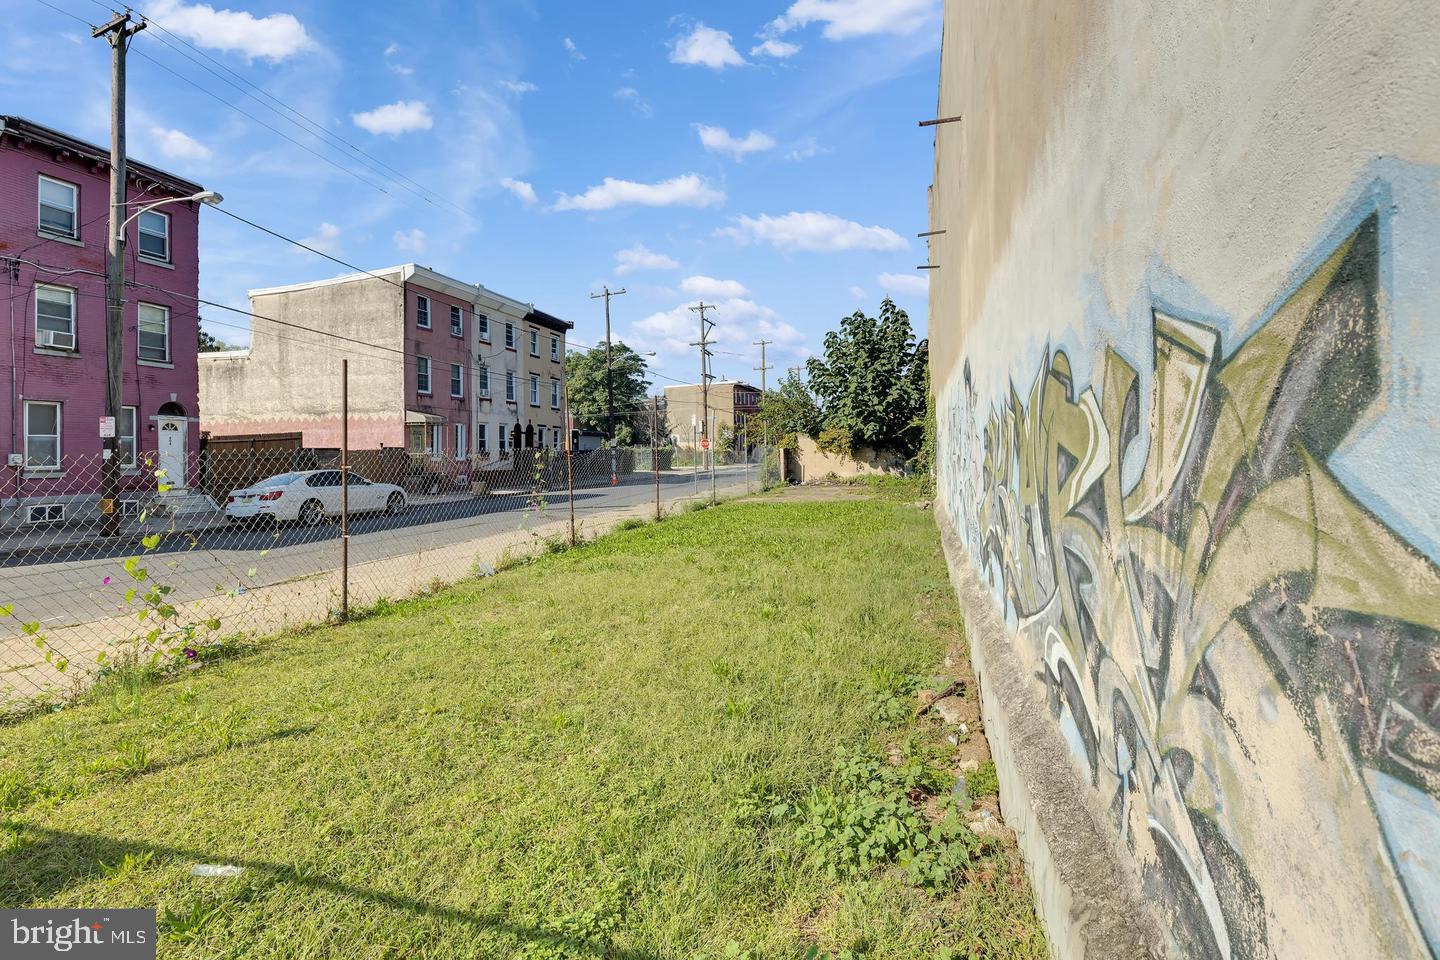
[{"x": 105, "y": 582}]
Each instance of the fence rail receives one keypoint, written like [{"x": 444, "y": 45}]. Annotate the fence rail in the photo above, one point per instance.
[{"x": 239, "y": 541}]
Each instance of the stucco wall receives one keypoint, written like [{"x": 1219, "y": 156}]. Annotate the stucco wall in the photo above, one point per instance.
[
  {"x": 290, "y": 379},
  {"x": 816, "y": 464},
  {"x": 1185, "y": 341}
]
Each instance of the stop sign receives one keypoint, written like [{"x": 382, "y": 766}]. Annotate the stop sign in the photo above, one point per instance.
[{"x": 705, "y": 443}]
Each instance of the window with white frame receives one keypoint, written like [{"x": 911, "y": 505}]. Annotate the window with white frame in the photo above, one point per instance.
[
  {"x": 510, "y": 335},
  {"x": 42, "y": 435},
  {"x": 534, "y": 343},
  {"x": 153, "y": 231},
  {"x": 555, "y": 394},
  {"x": 152, "y": 335},
  {"x": 482, "y": 439},
  {"x": 483, "y": 381},
  {"x": 457, "y": 322},
  {"x": 434, "y": 439},
  {"x": 555, "y": 436},
  {"x": 510, "y": 386},
  {"x": 502, "y": 438},
  {"x": 555, "y": 348},
  {"x": 422, "y": 312},
  {"x": 534, "y": 391},
  {"x": 462, "y": 434},
  {"x": 422, "y": 374},
  {"x": 59, "y": 208},
  {"x": 457, "y": 380},
  {"x": 54, "y": 317},
  {"x": 126, "y": 434},
  {"x": 482, "y": 327}
]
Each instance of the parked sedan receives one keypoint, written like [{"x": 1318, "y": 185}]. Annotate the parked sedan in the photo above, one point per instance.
[{"x": 309, "y": 497}]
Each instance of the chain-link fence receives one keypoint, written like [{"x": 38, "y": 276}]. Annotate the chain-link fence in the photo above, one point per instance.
[{"x": 245, "y": 542}]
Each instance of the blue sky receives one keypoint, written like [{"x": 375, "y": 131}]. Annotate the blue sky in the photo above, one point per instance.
[{"x": 759, "y": 155}]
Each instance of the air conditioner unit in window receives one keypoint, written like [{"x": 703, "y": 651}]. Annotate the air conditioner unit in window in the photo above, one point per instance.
[{"x": 57, "y": 340}]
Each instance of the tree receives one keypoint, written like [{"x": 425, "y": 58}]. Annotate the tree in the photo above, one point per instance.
[
  {"x": 785, "y": 412},
  {"x": 871, "y": 382},
  {"x": 210, "y": 344},
  {"x": 585, "y": 381}
]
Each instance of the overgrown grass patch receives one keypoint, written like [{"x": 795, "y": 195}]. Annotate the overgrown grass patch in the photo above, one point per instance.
[{"x": 580, "y": 757}]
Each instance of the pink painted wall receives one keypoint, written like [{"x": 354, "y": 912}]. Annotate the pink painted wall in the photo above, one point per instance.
[
  {"x": 443, "y": 349},
  {"x": 78, "y": 380}
]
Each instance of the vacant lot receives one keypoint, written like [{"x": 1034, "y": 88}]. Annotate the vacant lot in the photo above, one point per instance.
[{"x": 627, "y": 750}]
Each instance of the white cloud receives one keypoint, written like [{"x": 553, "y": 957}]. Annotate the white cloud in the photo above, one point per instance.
[
  {"x": 779, "y": 49},
  {"x": 400, "y": 69},
  {"x": 518, "y": 86},
  {"x": 520, "y": 188},
  {"x": 904, "y": 283},
  {"x": 640, "y": 257},
  {"x": 393, "y": 49},
  {"x": 573, "y": 50},
  {"x": 687, "y": 190},
  {"x": 741, "y": 322},
  {"x": 706, "y": 47},
  {"x": 326, "y": 239},
  {"x": 631, "y": 95},
  {"x": 719, "y": 140},
  {"x": 844, "y": 19},
  {"x": 181, "y": 146},
  {"x": 412, "y": 240},
  {"x": 700, "y": 286},
  {"x": 812, "y": 230},
  {"x": 805, "y": 149},
  {"x": 405, "y": 116},
  {"x": 859, "y": 293},
  {"x": 274, "y": 38}
]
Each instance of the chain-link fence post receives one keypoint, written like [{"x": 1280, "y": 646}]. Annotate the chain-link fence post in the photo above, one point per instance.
[{"x": 344, "y": 490}]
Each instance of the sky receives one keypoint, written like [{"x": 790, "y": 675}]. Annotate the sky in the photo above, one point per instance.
[{"x": 761, "y": 155}]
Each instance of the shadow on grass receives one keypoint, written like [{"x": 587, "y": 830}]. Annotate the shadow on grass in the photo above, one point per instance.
[{"x": 48, "y": 862}]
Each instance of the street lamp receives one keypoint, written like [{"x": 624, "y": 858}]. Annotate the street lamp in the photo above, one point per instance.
[
  {"x": 114, "y": 328},
  {"x": 208, "y": 197}
]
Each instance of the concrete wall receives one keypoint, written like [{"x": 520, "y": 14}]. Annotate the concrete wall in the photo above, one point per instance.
[
  {"x": 1185, "y": 341},
  {"x": 815, "y": 464},
  {"x": 289, "y": 379}
]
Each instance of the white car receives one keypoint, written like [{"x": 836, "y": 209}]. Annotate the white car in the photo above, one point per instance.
[{"x": 309, "y": 497}]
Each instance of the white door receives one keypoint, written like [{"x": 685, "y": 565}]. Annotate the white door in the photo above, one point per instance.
[{"x": 172, "y": 450}]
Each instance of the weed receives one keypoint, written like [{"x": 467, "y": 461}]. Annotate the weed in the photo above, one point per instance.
[
  {"x": 188, "y": 924},
  {"x": 130, "y": 863},
  {"x": 14, "y": 790},
  {"x": 132, "y": 759},
  {"x": 891, "y": 695},
  {"x": 629, "y": 523},
  {"x": 983, "y": 782}
]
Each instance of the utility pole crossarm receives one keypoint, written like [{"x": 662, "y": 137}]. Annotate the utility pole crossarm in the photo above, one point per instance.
[{"x": 607, "y": 293}]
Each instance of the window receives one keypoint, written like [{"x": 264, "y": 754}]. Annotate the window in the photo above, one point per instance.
[
  {"x": 484, "y": 381},
  {"x": 457, "y": 322},
  {"x": 422, "y": 374},
  {"x": 462, "y": 432},
  {"x": 153, "y": 333},
  {"x": 422, "y": 312},
  {"x": 45, "y": 513},
  {"x": 555, "y": 436},
  {"x": 482, "y": 440},
  {"x": 126, "y": 434},
  {"x": 482, "y": 323},
  {"x": 54, "y": 317},
  {"x": 503, "y": 436},
  {"x": 59, "y": 202},
  {"x": 510, "y": 386},
  {"x": 325, "y": 478},
  {"x": 42, "y": 435},
  {"x": 534, "y": 391},
  {"x": 435, "y": 440},
  {"x": 457, "y": 380},
  {"x": 534, "y": 343},
  {"x": 510, "y": 336},
  {"x": 555, "y": 348},
  {"x": 555, "y": 394},
  {"x": 153, "y": 231}
]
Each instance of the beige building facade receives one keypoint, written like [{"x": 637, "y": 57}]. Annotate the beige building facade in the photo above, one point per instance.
[{"x": 731, "y": 405}]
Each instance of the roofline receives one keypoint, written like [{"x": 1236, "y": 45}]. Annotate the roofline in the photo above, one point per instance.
[
  {"x": 21, "y": 127},
  {"x": 241, "y": 353},
  {"x": 713, "y": 384},
  {"x": 544, "y": 319},
  {"x": 402, "y": 269}
]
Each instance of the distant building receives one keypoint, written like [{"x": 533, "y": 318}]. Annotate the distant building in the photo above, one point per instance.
[
  {"x": 54, "y": 216},
  {"x": 438, "y": 366},
  {"x": 731, "y": 404}
]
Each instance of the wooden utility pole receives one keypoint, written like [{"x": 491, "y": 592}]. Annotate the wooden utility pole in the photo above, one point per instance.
[
  {"x": 117, "y": 33},
  {"x": 706, "y": 325},
  {"x": 762, "y": 344},
  {"x": 607, "y": 293}
]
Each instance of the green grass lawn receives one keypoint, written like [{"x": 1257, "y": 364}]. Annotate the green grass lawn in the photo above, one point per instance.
[{"x": 627, "y": 750}]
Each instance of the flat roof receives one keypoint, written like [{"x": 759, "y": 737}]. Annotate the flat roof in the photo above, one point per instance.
[{"x": 38, "y": 132}]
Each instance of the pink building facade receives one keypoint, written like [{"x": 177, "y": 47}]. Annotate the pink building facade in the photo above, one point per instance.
[{"x": 54, "y": 214}]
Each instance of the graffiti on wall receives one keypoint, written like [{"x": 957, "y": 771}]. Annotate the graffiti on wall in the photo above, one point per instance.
[{"x": 1244, "y": 659}]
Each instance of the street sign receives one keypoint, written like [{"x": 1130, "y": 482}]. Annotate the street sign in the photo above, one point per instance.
[
  {"x": 107, "y": 428},
  {"x": 705, "y": 443}
]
